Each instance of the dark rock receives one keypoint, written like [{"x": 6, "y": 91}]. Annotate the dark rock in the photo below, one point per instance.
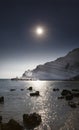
[
  {"x": 78, "y": 103},
  {"x": 31, "y": 120},
  {"x": 35, "y": 93},
  {"x": 22, "y": 89},
  {"x": 72, "y": 104},
  {"x": 69, "y": 97},
  {"x": 1, "y": 99},
  {"x": 12, "y": 89},
  {"x": 62, "y": 97},
  {"x": 75, "y": 90},
  {"x": 75, "y": 94},
  {"x": 30, "y": 88},
  {"x": 65, "y": 92},
  {"x": 11, "y": 125},
  {"x": 0, "y": 119},
  {"x": 56, "y": 89}
]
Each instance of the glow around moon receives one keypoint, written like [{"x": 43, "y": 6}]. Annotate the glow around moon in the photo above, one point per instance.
[{"x": 39, "y": 31}]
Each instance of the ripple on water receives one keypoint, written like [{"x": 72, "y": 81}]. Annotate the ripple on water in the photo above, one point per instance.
[{"x": 56, "y": 114}]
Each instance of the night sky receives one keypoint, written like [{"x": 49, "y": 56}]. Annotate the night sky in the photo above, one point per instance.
[{"x": 21, "y": 48}]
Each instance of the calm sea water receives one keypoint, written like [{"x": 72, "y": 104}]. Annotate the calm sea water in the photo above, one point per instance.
[{"x": 56, "y": 114}]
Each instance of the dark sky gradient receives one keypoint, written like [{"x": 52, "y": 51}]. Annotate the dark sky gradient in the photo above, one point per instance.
[{"x": 20, "y": 48}]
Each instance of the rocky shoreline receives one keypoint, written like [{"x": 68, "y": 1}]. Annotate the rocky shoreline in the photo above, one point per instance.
[
  {"x": 33, "y": 120},
  {"x": 30, "y": 121}
]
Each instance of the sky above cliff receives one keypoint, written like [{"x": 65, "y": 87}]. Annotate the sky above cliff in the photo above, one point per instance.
[{"x": 21, "y": 48}]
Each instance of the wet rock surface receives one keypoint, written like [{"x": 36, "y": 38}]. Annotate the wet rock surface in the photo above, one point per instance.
[
  {"x": 61, "y": 97},
  {"x": 70, "y": 95},
  {"x": 31, "y": 120},
  {"x": 11, "y": 125},
  {"x": 2, "y": 99},
  {"x": 0, "y": 119},
  {"x": 55, "y": 89},
  {"x": 12, "y": 89},
  {"x": 65, "y": 92},
  {"x": 76, "y": 90},
  {"x": 72, "y": 104},
  {"x": 22, "y": 89},
  {"x": 35, "y": 93},
  {"x": 30, "y": 88}
]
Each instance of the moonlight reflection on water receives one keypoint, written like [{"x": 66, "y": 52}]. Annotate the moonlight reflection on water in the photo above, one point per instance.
[{"x": 47, "y": 104}]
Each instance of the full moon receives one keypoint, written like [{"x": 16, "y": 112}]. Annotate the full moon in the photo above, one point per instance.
[{"x": 39, "y": 31}]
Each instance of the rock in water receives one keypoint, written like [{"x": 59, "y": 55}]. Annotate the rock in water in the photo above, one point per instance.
[
  {"x": 72, "y": 104},
  {"x": 11, "y": 125},
  {"x": 35, "y": 93},
  {"x": 12, "y": 89},
  {"x": 61, "y": 97},
  {"x": 30, "y": 88},
  {"x": 22, "y": 89},
  {"x": 2, "y": 99},
  {"x": 55, "y": 89},
  {"x": 0, "y": 119},
  {"x": 75, "y": 94},
  {"x": 65, "y": 92},
  {"x": 31, "y": 120},
  {"x": 76, "y": 90},
  {"x": 69, "y": 97}
]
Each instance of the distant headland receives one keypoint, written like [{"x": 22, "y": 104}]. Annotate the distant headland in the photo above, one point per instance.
[{"x": 63, "y": 68}]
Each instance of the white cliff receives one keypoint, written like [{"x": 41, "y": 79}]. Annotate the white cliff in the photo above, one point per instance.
[{"x": 62, "y": 68}]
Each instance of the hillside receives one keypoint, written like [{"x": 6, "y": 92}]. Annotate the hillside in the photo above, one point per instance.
[{"x": 62, "y": 68}]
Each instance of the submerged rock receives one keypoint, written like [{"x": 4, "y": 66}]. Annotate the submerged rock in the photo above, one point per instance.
[
  {"x": 69, "y": 97},
  {"x": 22, "y": 89},
  {"x": 30, "y": 88},
  {"x": 31, "y": 120},
  {"x": 11, "y": 125},
  {"x": 75, "y": 94},
  {"x": 65, "y": 92},
  {"x": 35, "y": 93},
  {"x": 55, "y": 89},
  {"x": 12, "y": 89},
  {"x": 1, "y": 99},
  {"x": 0, "y": 119},
  {"x": 76, "y": 90},
  {"x": 61, "y": 97},
  {"x": 72, "y": 104}
]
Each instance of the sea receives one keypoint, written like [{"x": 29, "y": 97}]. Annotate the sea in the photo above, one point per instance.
[{"x": 56, "y": 114}]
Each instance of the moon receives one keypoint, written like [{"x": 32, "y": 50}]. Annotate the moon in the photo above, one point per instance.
[{"x": 39, "y": 31}]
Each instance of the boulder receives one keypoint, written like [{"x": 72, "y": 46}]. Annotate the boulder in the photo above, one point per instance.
[
  {"x": 75, "y": 94},
  {"x": 12, "y": 89},
  {"x": 22, "y": 89},
  {"x": 0, "y": 119},
  {"x": 72, "y": 104},
  {"x": 30, "y": 88},
  {"x": 1, "y": 99},
  {"x": 11, "y": 125},
  {"x": 35, "y": 93},
  {"x": 69, "y": 97},
  {"x": 76, "y": 90},
  {"x": 65, "y": 92},
  {"x": 55, "y": 89},
  {"x": 31, "y": 120},
  {"x": 62, "y": 97}
]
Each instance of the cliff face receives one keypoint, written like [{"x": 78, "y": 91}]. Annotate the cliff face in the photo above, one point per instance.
[{"x": 62, "y": 68}]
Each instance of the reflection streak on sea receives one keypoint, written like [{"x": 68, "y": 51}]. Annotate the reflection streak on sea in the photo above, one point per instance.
[{"x": 56, "y": 114}]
